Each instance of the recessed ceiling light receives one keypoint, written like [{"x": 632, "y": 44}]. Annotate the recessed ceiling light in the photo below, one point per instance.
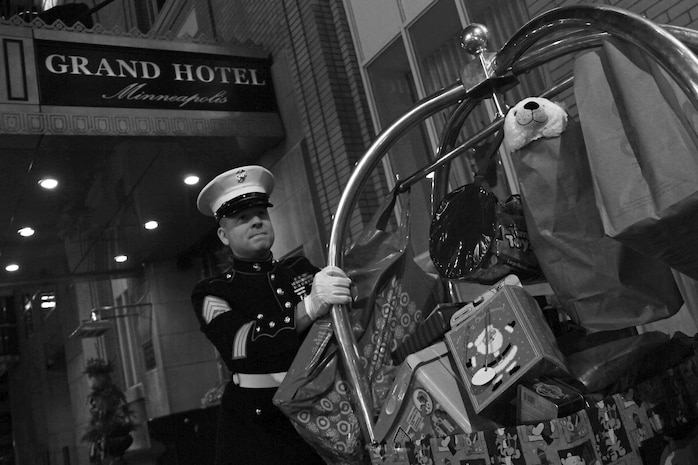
[
  {"x": 120, "y": 258},
  {"x": 152, "y": 224},
  {"x": 48, "y": 183},
  {"x": 12, "y": 267},
  {"x": 191, "y": 179},
  {"x": 26, "y": 231}
]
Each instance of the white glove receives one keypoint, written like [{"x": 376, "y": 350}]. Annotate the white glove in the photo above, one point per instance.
[{"x": 330, "y": 286}]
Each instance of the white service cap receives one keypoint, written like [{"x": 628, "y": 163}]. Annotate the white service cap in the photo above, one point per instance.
[{"x": 235, "y": 190}]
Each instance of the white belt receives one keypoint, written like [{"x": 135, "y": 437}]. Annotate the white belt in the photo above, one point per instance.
[{"x": 258, "y": 380}]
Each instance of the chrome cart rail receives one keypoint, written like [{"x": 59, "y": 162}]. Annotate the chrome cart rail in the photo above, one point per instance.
[{"x": 583, "y": 27}]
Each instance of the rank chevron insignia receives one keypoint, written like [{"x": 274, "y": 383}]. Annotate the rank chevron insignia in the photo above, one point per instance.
[{"x": 213, "y": 306}]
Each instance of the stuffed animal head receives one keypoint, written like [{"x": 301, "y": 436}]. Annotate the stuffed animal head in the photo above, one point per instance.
[{"x": 530, "y": 119}]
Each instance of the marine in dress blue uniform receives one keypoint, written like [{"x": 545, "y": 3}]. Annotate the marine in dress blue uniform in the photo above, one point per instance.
[{"x": 255, "y": 314}]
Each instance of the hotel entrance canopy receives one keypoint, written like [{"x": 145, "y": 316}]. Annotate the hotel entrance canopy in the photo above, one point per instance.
[{"x": 119, "y": 118}]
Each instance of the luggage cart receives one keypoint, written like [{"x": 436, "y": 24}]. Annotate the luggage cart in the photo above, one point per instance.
[{"x": 566, "y": 30}]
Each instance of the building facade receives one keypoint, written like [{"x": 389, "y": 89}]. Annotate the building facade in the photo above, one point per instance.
[{"x": 342, "y": 71}]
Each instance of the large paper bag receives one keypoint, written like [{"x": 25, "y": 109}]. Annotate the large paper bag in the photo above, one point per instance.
[
  {"x": 392, "y": 291},
  {"x": 641, "y": 133},
  {"x": 600, "y": 283}
]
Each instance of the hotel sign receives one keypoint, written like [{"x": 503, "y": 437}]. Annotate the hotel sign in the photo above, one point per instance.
[{"x": 92, "y": 75}]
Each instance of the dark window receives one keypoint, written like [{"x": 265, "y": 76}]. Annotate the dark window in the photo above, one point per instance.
[{"x": 149, "y": 355}]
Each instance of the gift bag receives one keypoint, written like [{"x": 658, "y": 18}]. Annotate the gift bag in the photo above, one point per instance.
[
  {"x": 392, "y": 291},
  {"x": 462, "y": 231},
  {"x": 511, "y": 251},
  {"x": 475, "y": 237},
  {"x": 600, "y": 283},
  {"x": 641, "y": 133}
]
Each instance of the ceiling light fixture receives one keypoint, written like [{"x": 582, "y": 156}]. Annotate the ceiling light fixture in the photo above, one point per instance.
[
  {"x": 152, "y": 224},
  {"x": 191, "y": 180},
  {"x": 48, "y": 183},
  {"x": 120, "y": 258},
  {"x": 12, "y": 267},
  {"x": 26, "y": 231}
]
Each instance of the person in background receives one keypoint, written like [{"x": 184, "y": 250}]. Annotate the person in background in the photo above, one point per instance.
[{"x": 256, "y": 314}]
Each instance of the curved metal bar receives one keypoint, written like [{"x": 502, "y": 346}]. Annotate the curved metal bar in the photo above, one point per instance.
[
  {"x": 576, "y": 42},
  {"x": 448, "y": 139},
  {"x": 688, "y": 36},
  {"x": 669, "y": 52},
  {"x": 340, "y": 318},
  {"x": 573, "y": 42},
  {"x": 564, "y": 46},
  {"x": 423, "y": 109},
  {"x": 672, "y": 55},
  {"x": 481, "y": 135}
]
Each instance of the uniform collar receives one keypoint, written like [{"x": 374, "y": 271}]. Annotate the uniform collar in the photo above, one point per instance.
[{"x": 253, "y": 266}]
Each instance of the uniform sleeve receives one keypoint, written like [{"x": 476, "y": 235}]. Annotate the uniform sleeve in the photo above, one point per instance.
[
  {"x": 303, "y": 272},
  {"x": 245, "y": 334}
]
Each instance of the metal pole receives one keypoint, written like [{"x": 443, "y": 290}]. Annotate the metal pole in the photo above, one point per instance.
[{"x": 340, "y": 319}]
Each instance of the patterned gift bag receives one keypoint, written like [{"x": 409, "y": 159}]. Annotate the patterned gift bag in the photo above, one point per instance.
[
  {"x": 566, "y": 440},
  {"x": 392, "y": 292},
  {"x": 634, "y": 419},
  {"x": 504, "y": 446},
  {"x": 631, "y": 428},
  {"x": 470, "y": 448},
  {"x": 612, "y": 443}
]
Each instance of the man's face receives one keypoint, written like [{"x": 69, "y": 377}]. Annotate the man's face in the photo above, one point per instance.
[{"x": 248, "y": 233}]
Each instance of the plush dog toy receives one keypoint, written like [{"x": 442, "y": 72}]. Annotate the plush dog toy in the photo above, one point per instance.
[{"x": 531, "y": 119}]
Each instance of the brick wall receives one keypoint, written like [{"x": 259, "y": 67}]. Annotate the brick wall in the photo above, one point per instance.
[
  {"x": 675, "y": 12},
  {"x": 313, "y": 38}
]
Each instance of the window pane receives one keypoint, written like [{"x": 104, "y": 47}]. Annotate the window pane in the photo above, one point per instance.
[
  {"x": 394, "y": 94},
  {"x": 503, "y": 18},
  {"x": 436, "y": 39}
]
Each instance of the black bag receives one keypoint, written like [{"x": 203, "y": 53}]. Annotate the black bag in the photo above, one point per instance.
[{"x": 475, "y": 237}]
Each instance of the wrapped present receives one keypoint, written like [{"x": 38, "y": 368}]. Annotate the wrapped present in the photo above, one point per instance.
[
  {"x": 443, "y": 318},
  {"x": 545, "y": 399},
  {"x": 389, "y": 454},
  {"x": 503, "y": 342},
  {"x": 612, "y": 440},
  {"x": 622, "y": 429},
  {"x": 425, "y": 401},
  {"x": 634, "y": 419},
  {"x": 469, "y": 448},
  {"x": 428, "y": 332}
]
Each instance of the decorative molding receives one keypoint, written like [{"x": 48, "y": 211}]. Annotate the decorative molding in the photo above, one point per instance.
[
  {"x": 116, "y": 31},
  {"x": 33, "y": 123},
  {"x": 98, "y": 29}
]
